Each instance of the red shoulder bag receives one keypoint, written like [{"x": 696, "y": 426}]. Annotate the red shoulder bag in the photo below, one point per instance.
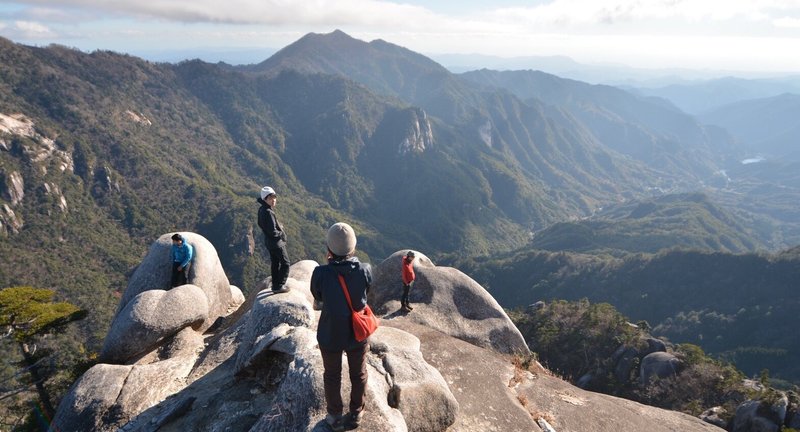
[{"x": 364, "y": 321}]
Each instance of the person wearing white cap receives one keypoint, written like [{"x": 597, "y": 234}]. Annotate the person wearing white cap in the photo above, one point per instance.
[
  {"x": 335, "y": 329},
  {"x": 274, "y": 239}
]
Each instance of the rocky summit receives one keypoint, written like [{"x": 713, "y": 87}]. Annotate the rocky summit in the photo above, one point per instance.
[{"x": 202, "y": 357}]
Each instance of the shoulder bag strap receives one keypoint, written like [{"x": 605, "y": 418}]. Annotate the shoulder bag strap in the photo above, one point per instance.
[{"x": 346, "y": 293}]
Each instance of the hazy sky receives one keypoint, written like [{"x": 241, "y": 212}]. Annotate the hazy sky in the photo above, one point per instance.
[{"x": 747, "y": 35}]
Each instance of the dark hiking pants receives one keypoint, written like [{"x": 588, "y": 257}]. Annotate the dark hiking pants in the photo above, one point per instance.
[
  {"x": 406, "y": 289},
  {"x": 279, "y": 261},
  {"x": 179, "y": 277},
  {"x": 332, "y": 378}
]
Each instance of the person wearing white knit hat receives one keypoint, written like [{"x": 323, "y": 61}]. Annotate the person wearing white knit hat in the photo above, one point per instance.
[
  {"x": 341, "y": 240},
  {"x": 274, "y": 239},
  {"x": 335, "y": 329}
]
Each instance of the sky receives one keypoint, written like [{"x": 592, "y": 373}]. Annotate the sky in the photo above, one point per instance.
[{"x": 737, "y": 35}]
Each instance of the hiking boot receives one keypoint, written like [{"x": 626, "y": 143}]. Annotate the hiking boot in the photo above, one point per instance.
[
  {"x": 335, "y": 422},
  {"x": 281, "y": 289},
  {"x": 352, "y": 420}
]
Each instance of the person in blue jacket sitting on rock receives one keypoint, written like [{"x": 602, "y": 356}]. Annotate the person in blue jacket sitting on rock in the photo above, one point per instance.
[{"x": 181, "y": 254}]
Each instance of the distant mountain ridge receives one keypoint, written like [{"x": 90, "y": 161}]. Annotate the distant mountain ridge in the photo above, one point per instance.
[
  {"x": 655, "y": 132},
  {"x": 701, "y": 96},
  {"x": 614, "y": 74},
  {"x": 647, "y": 129},
  {"x": 689, "y": 221},
  {"x": 766, "y": 126},
  {"x": 490, "y": 117}
]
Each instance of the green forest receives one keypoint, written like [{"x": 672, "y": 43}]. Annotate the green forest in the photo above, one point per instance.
[{"x": 738, "y": 307}]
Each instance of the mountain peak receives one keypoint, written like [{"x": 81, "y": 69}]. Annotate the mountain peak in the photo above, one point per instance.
[
  {"x": 335, "y": 37},
  {"x": 337, "y": 34},
  {"x": 382, "y": 66}
]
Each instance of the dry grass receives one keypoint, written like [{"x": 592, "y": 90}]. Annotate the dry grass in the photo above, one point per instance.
[{"x": 523, "y": 365}]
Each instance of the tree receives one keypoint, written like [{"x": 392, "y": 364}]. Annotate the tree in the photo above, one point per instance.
[{"x": 27, "y": 313}]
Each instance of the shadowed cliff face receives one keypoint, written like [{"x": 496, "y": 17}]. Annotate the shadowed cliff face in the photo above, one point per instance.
[{"x": 443, "y": 366}]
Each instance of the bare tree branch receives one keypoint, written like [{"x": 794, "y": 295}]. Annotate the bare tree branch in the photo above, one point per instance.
[
  {"x": 24, "y": 370},
  {"x": 17, "y": 391}
]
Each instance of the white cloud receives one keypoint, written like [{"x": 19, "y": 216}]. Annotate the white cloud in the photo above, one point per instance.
[
  {"x": 396, "y": 16},
  {"x": 273, "y": 12},
  {"x": 787, "y": 22},
  {"x": 580, "y": 12},
  {"x": 29, "y": 30},
  {"x": 59, "y": 15},
  {"x": 638, "y": 32},
  {"x": 400, "y": 15}
]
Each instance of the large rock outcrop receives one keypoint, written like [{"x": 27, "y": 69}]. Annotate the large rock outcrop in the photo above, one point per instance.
[
  {"x": 151, "y": 317},
  {"x": 660, "y": 365},
  {"x": 107, "y": 396},
  {"x": 415, "y": 388},
  {"x": 446, "y": 299},
  {"x": 496, "y": 396},
  {"x": 259, "y": 369},
  {"x": 150, "y": 311},
  {"x": 771, "y": 413},
  {"x": 206, "y": 272},
  {"x": 10, "y": 223},
  {"x": 12, "y": 187}
]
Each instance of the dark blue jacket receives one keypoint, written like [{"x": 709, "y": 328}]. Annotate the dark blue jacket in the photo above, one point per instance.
[{"x": 335, "y": 329}]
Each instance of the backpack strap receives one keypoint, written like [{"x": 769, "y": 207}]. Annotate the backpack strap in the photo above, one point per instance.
[{"x": 346, "y": 293}]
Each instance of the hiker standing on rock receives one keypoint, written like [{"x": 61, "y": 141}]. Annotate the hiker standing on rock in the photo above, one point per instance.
[
  {"x": 408, "y": 280},
  {"x": 335, "y": 329},
  {"x": 181, "y": 254},
  {"x": 274, "y": 239}
]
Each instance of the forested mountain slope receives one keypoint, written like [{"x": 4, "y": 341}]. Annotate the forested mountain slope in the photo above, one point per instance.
[{"x": 738, "y": 306}]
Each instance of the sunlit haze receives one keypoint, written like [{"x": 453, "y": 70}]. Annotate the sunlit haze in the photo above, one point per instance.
[{"x": 736, "y": 35}]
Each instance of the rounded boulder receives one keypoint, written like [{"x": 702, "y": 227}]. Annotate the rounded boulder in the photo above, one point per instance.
[
  {"x": 658, "y": 364},
  {"x": 447, "y": 300},
  {"x": 151, "y": 317},
  {"x": 206, "y": 272}
]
